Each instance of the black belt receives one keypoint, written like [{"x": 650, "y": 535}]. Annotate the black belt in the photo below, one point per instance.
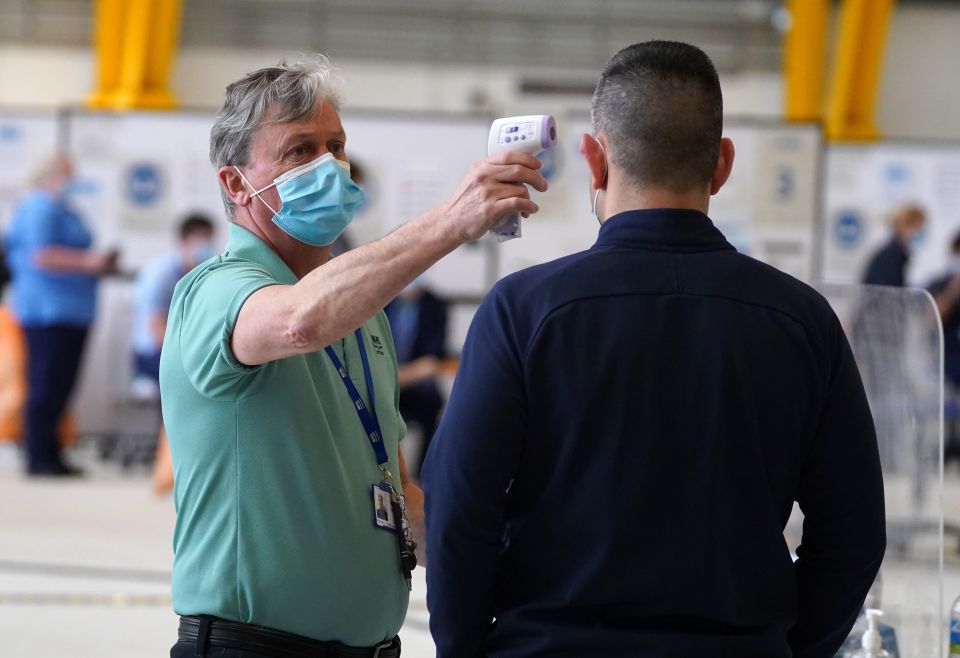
[{"x": 210, "y": 631}]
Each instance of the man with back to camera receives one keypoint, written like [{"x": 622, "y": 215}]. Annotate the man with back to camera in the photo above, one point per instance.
[
  {"x": 282, "y": 416},
  {"x": 631, "y": 425}
]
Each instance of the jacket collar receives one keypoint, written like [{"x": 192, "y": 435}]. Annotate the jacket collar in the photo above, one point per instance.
[{"x": 662, "y": 229}]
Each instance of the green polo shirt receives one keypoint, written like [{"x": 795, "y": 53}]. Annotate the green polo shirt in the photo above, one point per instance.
[{"x": 273, "y": 470}]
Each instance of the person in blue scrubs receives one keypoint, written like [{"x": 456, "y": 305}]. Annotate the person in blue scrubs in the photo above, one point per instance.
[
  {"x": 155, "y": 284},
  {"x": 55, "y": 271}
]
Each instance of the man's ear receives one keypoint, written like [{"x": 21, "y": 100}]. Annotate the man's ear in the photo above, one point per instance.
[
  {"x": 233, "y": 183},
  {"x": 724, "y": 165},
  {"x": 593, "y": 153}
]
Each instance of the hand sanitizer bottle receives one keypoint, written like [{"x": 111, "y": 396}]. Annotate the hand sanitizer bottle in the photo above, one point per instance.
[
  {"x": 871, "y": 643},
  {"x": 955, "y": 629}
]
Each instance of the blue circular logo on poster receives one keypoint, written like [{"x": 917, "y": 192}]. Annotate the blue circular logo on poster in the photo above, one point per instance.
[
  {"x": 143, "y": 184},
  {"x": 10, "y": 132},
  {"x": 897, "y": 172},
  {"x": 848, "y": 229}
]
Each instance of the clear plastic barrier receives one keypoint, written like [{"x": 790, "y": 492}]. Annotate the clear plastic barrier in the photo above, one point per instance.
[{"x": 896, "y": 337}]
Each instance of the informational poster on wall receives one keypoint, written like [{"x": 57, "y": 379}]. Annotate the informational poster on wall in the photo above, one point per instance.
[
  {"x": 866, "y": 184},
  {"x": 769, "y": 205},
  {"x": 26, "y": 139},
  {"x": 140, "y": 174}
]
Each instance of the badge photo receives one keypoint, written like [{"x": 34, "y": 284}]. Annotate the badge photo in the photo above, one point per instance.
[{"x": 383, "y": 515}]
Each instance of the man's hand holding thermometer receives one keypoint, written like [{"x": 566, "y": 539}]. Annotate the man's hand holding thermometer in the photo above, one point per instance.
[{"x": 530, "y": 134}]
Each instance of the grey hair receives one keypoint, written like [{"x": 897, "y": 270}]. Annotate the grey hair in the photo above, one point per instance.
[{"x": 295, "y": 89}]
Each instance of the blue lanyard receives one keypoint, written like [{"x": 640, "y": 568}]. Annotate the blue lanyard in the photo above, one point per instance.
[{"x": 368, "y": 415}]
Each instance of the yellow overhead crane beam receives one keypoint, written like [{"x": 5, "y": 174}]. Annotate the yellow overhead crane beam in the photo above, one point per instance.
[
  {"x": 849, "y": 111},
  {"x": 135, "y": 42}
]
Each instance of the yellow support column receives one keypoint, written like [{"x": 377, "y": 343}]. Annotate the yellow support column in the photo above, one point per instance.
[
  {"x": 804, "y": 61},
  {"x": 857, "y": 68},
  {"x": 108, "y": 46},
  {"x": 136, "y": 49},
  {"x": 136, "y": 44},
  {"x": 165, "y": 37}
]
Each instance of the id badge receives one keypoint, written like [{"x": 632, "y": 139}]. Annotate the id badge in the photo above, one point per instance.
[{"x": 384, "y": 515}]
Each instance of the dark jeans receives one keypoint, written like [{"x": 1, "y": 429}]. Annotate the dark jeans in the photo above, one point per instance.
[
  {"x": 184, "y": 649},
  {"x": 53, "y": 361},
  {"x": 147, "y": 365}
]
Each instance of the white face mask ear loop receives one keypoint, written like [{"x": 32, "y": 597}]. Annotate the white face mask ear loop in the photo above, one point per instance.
[
  {"x": 596, "y": 196},
  {"x": 256, "y": 192}
]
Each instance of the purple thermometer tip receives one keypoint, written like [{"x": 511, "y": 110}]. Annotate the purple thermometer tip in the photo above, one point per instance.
[{"x": 548, "y": 132}]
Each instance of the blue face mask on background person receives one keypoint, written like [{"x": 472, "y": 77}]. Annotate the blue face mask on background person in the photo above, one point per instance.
[
  {"x": 70, "y": 189},
  {"x": 918, "y": 239},
  {"x": 201, "y": 251},
  {"x": 319, "y": 200}
]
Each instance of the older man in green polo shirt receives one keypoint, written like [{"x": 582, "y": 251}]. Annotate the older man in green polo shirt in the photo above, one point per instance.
[{"x": 279, "y": 383}]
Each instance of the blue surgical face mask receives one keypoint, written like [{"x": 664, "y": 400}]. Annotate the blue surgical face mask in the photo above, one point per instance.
[
  {"x": 318, "y": 198},
  {"x": 70, "y": 189},
  {"x": 918, "y": 240},
  {"x": 201, "y": 251}
]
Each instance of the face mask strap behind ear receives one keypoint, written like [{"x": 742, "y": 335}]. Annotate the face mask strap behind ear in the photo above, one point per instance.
[
  {"x": 256, "y": 192},
  {"x": 597, "y": 195}
]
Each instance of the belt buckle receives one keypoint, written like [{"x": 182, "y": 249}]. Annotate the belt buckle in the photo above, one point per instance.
[{"x": 381, "y": 647}]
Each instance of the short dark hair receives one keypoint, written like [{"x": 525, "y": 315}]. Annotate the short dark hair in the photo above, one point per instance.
[
  {"x": 955, "y": 245},
  {"x": 660, "y": 106},
  {"x": 194, "y": 223}
]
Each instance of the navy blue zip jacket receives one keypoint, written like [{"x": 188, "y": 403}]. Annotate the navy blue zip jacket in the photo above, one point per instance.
[{"x": 627, "y": 434}]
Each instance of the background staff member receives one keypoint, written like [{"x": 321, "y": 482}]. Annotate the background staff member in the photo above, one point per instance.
[
  {"x": 946, "y": 293},
  {"x": 888, "y": 266},
  {"x": 631, "y": 425},
  {"x": 279, "y": 383},
  {"x": 155, "y": 285},
  {"x": 418, "y": 319},
  {"x": 55, "y": 272}
]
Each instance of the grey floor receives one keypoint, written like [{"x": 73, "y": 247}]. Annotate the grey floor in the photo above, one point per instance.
[{"x": 84, "y": 568}]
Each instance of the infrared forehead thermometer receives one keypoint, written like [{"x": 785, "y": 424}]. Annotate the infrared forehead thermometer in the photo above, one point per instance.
[{"x": 531, "y": 134}]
